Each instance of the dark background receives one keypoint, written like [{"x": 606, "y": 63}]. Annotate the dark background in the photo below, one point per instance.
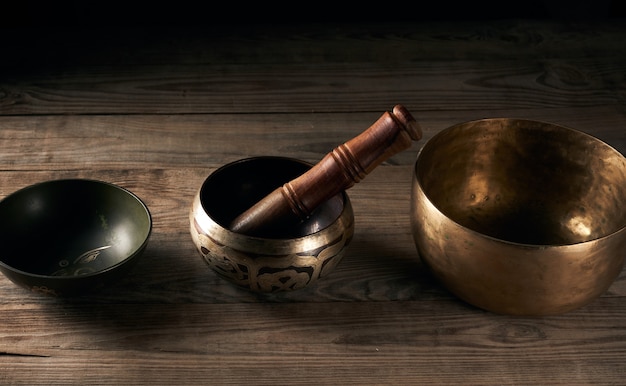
[
  {"x": 86, "y": 13},
  {"x": 39, "y": 34}
]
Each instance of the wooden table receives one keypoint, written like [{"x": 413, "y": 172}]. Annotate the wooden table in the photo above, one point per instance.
[{"x": 156, "y": 111}]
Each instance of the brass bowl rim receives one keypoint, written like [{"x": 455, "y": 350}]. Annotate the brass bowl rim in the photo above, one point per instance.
[
  {"x": 496, "y": 239},
  {"x": 86, "y": 276},
  {"x": 206, "y": 221}
]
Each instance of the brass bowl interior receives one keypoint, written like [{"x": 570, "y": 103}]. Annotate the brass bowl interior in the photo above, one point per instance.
[
  {"x": 525, "y": 181},
  {"x": 235, "y": 187}
]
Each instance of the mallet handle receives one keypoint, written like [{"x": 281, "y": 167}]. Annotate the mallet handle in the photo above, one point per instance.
[{"x": 339, "y": 170}]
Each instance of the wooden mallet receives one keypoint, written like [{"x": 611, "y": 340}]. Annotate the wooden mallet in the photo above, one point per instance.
[{"x": 339, "y": 170}]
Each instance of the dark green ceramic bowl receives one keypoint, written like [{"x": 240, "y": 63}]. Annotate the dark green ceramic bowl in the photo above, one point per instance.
[{"x": 69, "y": 237}]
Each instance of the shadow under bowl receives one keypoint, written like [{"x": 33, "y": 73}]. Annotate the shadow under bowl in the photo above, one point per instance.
[
  {"x": 290, "y": 260},
  {"x": 520, "y": 217},
  {"x": 70, "y": 237}
]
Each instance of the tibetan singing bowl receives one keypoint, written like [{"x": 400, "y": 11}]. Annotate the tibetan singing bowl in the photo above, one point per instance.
[
  {"x": 520, "y": 217},
  {"x": 282, "y": 260},
  {"x": 70, "y": 237}
]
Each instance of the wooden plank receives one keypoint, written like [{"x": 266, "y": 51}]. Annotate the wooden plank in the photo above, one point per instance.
[
  {"x": 346, "y": 68},
  {"x": 317, "y": 87},
  {"x": 360, "y": 343},
  {"x": 81, "y": 143}
]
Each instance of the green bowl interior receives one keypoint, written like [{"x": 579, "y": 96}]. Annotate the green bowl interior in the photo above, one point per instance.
[{"x": 70, "y": 228}]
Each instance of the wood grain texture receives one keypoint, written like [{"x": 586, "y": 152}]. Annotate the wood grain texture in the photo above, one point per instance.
[
  {"x": 314, "y": 68},
  {"x": 156, "y": 111},
  {"x": 532, "y": 83},
  {"x": 366, "y": 342}
]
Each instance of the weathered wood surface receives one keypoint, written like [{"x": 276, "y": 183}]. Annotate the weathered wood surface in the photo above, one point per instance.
[{"x": 157, "y": 111}]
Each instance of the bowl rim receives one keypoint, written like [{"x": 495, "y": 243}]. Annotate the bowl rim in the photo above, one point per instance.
[
  {"x": 127, "y": 259},
  {"x": 418, "y": 183},
  {"x": 251, "y": 241}
]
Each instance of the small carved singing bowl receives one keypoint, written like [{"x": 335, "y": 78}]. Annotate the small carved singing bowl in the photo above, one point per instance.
[
  {"x": 71, "y": 237},
  {"x": 288, "y": 260},
  {"x": 520, "y": 217}
]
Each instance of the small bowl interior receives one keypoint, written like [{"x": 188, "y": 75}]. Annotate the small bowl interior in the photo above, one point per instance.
[
  {"x": 525, "y": 181},
  {"x": 235, "y": 187},
  {"x": 71, "y": 227}
]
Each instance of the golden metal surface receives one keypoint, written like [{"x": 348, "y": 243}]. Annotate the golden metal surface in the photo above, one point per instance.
[
  {"x": 267, "y": 264},
  {"x": 520, "y": 217}
]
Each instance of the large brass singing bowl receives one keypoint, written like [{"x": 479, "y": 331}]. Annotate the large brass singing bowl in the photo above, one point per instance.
[
  {"x": 289, "y": 260},
  {"x": 520, "y": 217}
]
